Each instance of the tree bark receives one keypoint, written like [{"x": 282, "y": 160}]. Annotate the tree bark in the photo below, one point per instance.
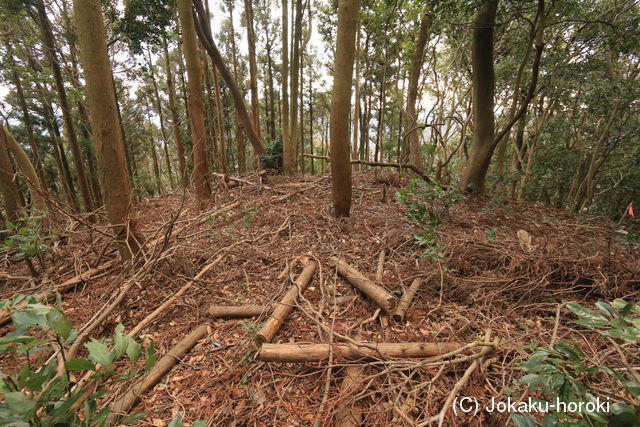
[
  {"x": 288, "y": 162},
  {"x": 105, "y": 125},
  {"x": 206, "y": 39},
  {"x": 341, "y": 105},
  {"x": 196, "y": 105},
  {"x": 253, "y": 68},
  {"x": 483, "y": 92},
  {"x": 174, "y": 115},
  {"x": 50, "y": 50},
  {"x": 26, "y": 167},
  {"x": 163, "y": 130},
  {"x": 8, "y": 185},
  {"x": 410, "y": 151}
]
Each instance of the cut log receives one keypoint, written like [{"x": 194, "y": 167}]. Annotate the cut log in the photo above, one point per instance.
[
  {"x": 299, "y": 353},
  {"x": 378, "y": 294},
  {"x": 237, "y": 311},
  {"x": 124, "y": 404},
  {"x": 405, "y": 301},
  {"x": 350, "y": 414},
  {"x": 284, "y": 308}
]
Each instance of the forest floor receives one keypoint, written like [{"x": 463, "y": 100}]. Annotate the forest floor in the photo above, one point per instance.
[{"x": 488, "y": 278}]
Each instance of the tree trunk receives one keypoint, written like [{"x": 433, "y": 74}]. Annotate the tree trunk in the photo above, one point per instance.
[
  {"x": 27, "y": 120},
  {"x": 341, "y": 105},
  {"x": 242, "y": 163},
  {"x": 253, "y": 69},
  {"x": 483, "y": 90},
  {"x": 27, "y": 169},
  {"x": 103, "y": 117},
  {"x": 163, "y": 131},
  {"x": 50, "y": 50},
  {"x": 223, "y": 144},
  {"x": 288, "y": 162},
  {"x": 174, "y": 115},
  {"x": 410, "y": 151},
  {"x": 207, "y": 41},
  {"x": 196, "y": 106},
  {"x": 356, "y": 105},
  {"x": 8, "y": 185},
  {"x": 59, "y": 154}
]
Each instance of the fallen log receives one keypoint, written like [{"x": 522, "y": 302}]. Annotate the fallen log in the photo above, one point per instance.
[
  {"x": 299, "y": 352},
  {"x": 124, "y": 404},
  {"x": 378, "y": 294},
  {"x": 237, "y": 311},
  {"x": 284, "y": 308},
  {"x": 350, "y": 415},
  {"x": 405, "y": 300}
]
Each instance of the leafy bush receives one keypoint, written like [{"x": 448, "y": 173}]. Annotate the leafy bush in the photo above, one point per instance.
[
  {"x": 427, "y": 206},
  {"x": 36, "y": 395},
  {"x": 563, "y": 373},
  {"x": 273, "y": 158},
  {"x": 26, "y": 237}
]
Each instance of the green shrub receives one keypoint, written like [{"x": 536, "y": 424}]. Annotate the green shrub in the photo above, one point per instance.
[
  {"x": 36, "y": 395},
  {"x": 563, "y": 373}
]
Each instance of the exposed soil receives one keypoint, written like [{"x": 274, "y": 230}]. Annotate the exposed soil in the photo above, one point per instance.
[{"x": 484, "y": 283}]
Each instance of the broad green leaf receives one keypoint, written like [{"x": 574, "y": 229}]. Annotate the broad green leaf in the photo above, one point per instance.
[
  {"x": 77, "y": 364},
  {"x": 151, "y": 357},
  {"x": 99, "y": 353},
  {"x": 176, "y": 422},
  {"x": 136, "y": 416},
  {"x": 133, "y": 349},
  {"x": 200, "y": 423},
  {"x": 59, "y": 323},
  {"x": 20, "y": 403}
]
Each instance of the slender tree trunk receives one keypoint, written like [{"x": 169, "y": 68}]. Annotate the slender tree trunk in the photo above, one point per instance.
[
  {"x": 253, "y": 68},
  {"x": 27, "y": 120},
  {"x": 50, "y": 50},
  {"x": 174, "y": 116},
  {"x": 60, "y": 155},
  {"x": 356, "y": 105},
  {"x": 341, "y": 105},
  {"x": 196, "y": 106},
  {"x": 242, "y": 163},
  {"x": 8, "y": 185},
  {"x": 163, "y": 131},
  {"x": 295, "y": 81},
  {"x": 410, "y": 151},
  {"x": 26, "y": 167},
  {"x": 223, "y": 144},
  {"x": 272, "y": 120},
  {"x": 288, "y": 162},
  {"x": 483, "y": 90},
  {"x": 313, "y": 169},
  {"x": 206, "y": 38},
  {"x": 103, "y": 117}
]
